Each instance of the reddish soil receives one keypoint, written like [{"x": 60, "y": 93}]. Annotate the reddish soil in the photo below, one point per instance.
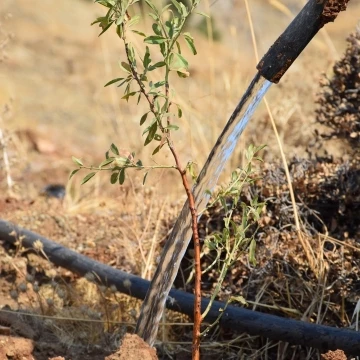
[
  {"x": 133, "y": 348},
  {"x": 334, "y": 355},
  {"x": 16, "y": 348}
]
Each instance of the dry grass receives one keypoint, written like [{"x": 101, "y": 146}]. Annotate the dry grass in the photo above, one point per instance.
[{"x": 89, "y": 113}]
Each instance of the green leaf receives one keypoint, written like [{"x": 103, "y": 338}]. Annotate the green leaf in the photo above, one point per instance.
[
  {"x": 259, "y": 148},
  {"x": 106, "y": 162},
  {"x": 157, "y": 137},
  {"x": 184, "y": 63},
  {"x": 150, "y": 4},
  {"x": 154, "y": 39},
  {"x": 108, "y": 15},
  {"x": 238, "y": 298},
  {"x": 126, "y": 97},
  {"x": 202, "y": 14},
  {"x": 157, "y": 65},
  {"x": 106, "y": 27},
  {"x": 131, "y": 54},
  {"x": 157, "y": 105},
  {"x": 77, "y": 161},
  {"x": 147, "y": 59},
  {"x": 223, "y": 204},
  {"x": 156, "y": 150},
  {"x": 151, "y": 134},
  {"x": 99, "y": 20},
  {"x": 165, "y": 8},
  {"x": 127, "y": 89},
  {"x": 183, "y": 73},
  {"x": 143, "y": 77},
  {"x": 179, "y": 111},
  {"x": 208, "y": 192},
  {"x": 133, "y": 21},
  {"x": 154, "y": 93},
  {"x": 163, "y": 49},
  {"x": 191, "y": 167},
  {"x": 114, "y": 177},
  {"x": 145, "y": 176},
  {"x": 177, "y": 5},
  {"x": 157, "y": 29},
  {"x": 106, "y": 3},
  {"x": 125, "y": 66},
  {"x": 121, "y": 161},
  {"x": 120, "y": 31},
  {"x": 178, "y": 47},
  {"x": 170, "y": 28},
  {"x": 119, "y": 20},
  {"x": 210, "y": 244},
  {"x": 252, "y": 249},
  {"x": 158, "y": 84},
  {"x": 154, "y": 16},
  {"x": 190, "y": 42},
  {"x": 149, "y": 127},
  {"x": 180, "y": 64},
  {"x": 143, "y": 118},
  {"x": 172, "y": 127},
  {"x": 138, "y": 32},
  {"x": 184, "y": 10},
  {"x": 87, "y": 177},
  {"x": 139, "y": 163},
  {"x": 153, "y": 129},
  {"x": 122, "y": 176},
  {"x": 113, "y": 81},
  {"x": 129, "y": 78},
  {"x": 146, "y": 130},
  {"x": 73, "y": 173},
  {"x": 114, "y": 149}
]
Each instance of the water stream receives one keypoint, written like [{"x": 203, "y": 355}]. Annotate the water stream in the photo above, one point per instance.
[{"x": 180, "y": 237}]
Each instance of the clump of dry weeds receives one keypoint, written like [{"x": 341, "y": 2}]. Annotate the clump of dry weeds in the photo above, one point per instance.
[
  {"x": 339, "y": 99},
  {"x": 327, "y": 194},
  {"x": 282, "y": 282}
]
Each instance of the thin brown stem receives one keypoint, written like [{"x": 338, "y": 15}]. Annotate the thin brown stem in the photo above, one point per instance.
[
  {"x": 190, "y": 196},
  {"x": 197, "y": 264}
]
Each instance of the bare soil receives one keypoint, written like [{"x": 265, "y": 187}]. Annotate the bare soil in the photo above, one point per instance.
[{"x": 133, "y": 348}]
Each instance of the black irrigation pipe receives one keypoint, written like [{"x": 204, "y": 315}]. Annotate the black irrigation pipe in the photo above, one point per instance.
[{"x": 235, "y": 318}]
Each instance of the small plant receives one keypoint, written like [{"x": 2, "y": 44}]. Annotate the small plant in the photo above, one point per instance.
[
  {"x": 151, "y": 82},
  {"x": 238, "y": 234}
]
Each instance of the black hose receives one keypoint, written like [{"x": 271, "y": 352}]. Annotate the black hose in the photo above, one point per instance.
[
  {"x": 314, "y": 15},
  {"x": 235, "y": 318}
]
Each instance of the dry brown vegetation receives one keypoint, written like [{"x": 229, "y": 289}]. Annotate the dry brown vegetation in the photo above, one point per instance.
[{"x": 53, "y": 105}]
